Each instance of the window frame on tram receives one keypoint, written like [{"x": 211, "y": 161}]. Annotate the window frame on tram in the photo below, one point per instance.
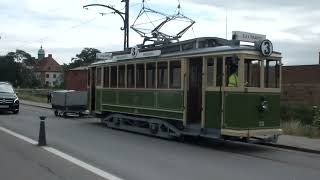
[
  {"x": 220, "y": 60},
  {"x": 140, "y": 69}
]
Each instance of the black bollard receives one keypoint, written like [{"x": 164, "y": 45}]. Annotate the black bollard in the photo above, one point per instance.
[{"x": 42, "y": 132}]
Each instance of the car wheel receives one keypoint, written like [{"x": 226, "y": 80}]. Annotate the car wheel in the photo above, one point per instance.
[
  {"x": 56, "y": 113},
  {"x": 81, "y": 114},
  {"x": 65, "y": 115},
  {"x": 16, "y": 111}
]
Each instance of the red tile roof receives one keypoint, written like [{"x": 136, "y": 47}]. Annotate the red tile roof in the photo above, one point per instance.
[{"x": 48, "y": 64}]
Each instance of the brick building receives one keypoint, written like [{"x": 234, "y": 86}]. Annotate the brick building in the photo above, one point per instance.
[
  {"x": 48, "y": 71},
  {"x": 301, "y": 84},
  {"x": 76, "y": 79}
]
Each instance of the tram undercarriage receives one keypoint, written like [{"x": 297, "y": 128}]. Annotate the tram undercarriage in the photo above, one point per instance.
[{"x": 163, "y": 129}]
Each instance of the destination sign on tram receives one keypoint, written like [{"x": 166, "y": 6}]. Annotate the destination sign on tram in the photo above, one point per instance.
[{"x": 247, "y": 37}]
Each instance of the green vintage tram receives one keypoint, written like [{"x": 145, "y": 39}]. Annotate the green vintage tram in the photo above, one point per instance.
[{"x": 183, "y": 89}]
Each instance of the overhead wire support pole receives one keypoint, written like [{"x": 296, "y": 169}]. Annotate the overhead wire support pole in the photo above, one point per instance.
[
  {"x": 126, "y": 23},
  {"x": 125, "y": 18}
]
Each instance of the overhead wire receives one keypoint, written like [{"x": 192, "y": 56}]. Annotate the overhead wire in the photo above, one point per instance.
[{"x": 26, "y": 43}]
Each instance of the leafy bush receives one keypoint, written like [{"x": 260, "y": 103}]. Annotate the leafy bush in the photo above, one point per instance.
[{"x": 303, "y": 114}]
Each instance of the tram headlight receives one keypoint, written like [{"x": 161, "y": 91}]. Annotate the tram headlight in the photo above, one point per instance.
[{"x": 264, "y": 107}]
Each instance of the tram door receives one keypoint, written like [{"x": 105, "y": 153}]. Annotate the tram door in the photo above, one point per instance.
[
  {"x": 93, "y": 89},
  {"x": 194, "y": 102}
]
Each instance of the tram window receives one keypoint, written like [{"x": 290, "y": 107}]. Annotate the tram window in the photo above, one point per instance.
[
  {"x": 151, "y": 75},
  {"x": 130, "y": 76},
  {"x": 140, "y": 76},
  {"x": 89, "y": 77},
  {"x": 252, "y": 72},
  {"x": 121, "y": 76},
  {"x": 175, "y": 74},
  {"x": 98, "y": 77},
  {"x": 113, "y": 82},
  {"x": 210, "y": 72},
  {"x": 231, "y": 78},
  {"x": 272, "y": 74},
  {"x": 219, "y": 74},
  {"x": 106, "y": 77},
  {"x": 163, "y": 75}
]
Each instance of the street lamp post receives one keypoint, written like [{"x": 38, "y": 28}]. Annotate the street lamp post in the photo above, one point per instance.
[{"x": 125, "y": 18}]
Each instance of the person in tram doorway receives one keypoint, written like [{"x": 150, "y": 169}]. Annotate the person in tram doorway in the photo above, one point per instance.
[{"x": 233, "y": 78}]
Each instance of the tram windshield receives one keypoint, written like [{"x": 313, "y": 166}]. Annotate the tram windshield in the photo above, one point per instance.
[
  {"x": 272, "y": 73},
  {"x": 252, "y": 73},
  {"x": 232, "y": 71}
]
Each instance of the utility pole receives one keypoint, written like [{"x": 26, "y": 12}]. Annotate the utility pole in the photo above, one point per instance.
[{"x": 123, "y": 15}]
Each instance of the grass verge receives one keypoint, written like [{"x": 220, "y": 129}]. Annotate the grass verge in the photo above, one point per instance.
[
  {"x": 32, "y": 97},
  {"x": 295, "y": 127}
]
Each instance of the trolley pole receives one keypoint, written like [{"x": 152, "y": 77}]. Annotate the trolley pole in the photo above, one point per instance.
[
  {"x": 123, "y": 15},
  {"x": 126, "y": 24}
]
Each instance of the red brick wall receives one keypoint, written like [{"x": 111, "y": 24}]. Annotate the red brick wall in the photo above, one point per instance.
[
  {"x": 76, "y": 80},
  {"x": 308, "y": 74},
  {"x": 301, "y": 85}
]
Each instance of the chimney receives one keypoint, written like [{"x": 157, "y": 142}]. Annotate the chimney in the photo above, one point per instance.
[{"x": 50, "y": 55}]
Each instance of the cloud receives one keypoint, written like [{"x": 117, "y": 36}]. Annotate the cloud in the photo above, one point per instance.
[
  {"x": 64, "y": 27},
  {"x": 259, "y": 4}
]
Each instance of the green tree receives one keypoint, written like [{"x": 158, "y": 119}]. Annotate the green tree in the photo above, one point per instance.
[
  {"x": 9, "y": 69},
  {"x": 86, "y": 57},
  {"x": 27, "y": 78},
  {"x": 13, "y": 69},
  {"x": 22, "y": 56}
]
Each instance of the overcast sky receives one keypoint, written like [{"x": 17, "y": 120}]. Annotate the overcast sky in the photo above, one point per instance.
[{"x": 64, "y": 28}]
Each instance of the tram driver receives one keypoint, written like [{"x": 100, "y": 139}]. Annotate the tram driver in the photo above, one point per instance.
[{"x": 233, "y": 78}]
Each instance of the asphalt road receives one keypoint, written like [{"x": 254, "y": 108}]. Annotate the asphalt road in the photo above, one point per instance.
[
  {"x": 22, "y": 160},
  {"x": 137, "y": 157}
]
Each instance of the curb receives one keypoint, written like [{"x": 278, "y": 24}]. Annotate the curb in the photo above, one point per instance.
[{"x": 294, "y": 148}]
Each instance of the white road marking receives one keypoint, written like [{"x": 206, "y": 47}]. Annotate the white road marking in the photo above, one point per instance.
[
  {"x": 82, "y": 164},
  {"x": 31, "y": 141},
  {"x": 65, "y": 156}
]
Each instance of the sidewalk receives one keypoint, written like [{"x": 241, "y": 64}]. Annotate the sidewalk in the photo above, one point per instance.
[
  {"x": 285, "y": 141},
  {"x": 37, "y": 104},
  {"x": 300, "y": 143}
]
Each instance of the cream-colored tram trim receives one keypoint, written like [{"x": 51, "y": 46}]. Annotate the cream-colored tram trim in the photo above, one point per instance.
[
  {"x": 185, "y": 75},
  {"x": 135, "y": 75},
  {"x": 251, "y": 133},
  {"x": 222, "y": 91},
  {"x": 156, "y": 85},
  {"x": 241, "y": 71},
  {"x": 90, "y": 88},
  {"x": 203, "y": 90},
  {"x": 125, "y": 76},
  {"x": 262, "y": 90},
  {"x": 280, "y": 75},
  {"x": 262, "y": 74},
  {"x": 168, "y": 72},
  {"x": 142, "y": 89},
  {"x": 215, "y": 65},
  {"x": 102, "y": 76},
  {"x": 143, "y": 108},
  {"x": 145, "y": 75}
]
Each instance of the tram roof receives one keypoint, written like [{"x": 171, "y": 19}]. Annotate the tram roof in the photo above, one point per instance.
[{"x": 203, "y": 46}]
